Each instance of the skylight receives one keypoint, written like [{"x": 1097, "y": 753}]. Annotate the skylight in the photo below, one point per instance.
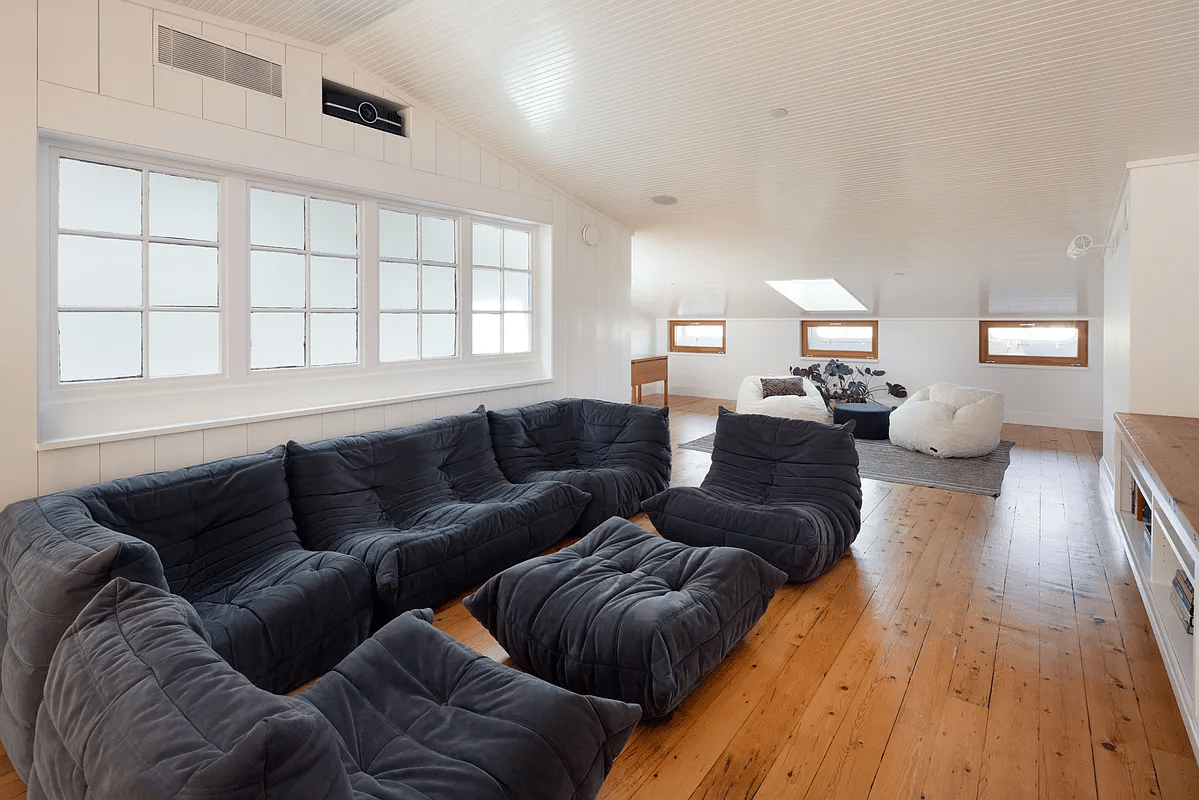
[{"x": 824, "y": 294}]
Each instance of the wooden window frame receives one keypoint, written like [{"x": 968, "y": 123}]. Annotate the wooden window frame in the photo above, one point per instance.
[
  {"x": 808, "y": 352},
  {"x": 677, "y": 323},
  {"x": 985, "y": 325}
]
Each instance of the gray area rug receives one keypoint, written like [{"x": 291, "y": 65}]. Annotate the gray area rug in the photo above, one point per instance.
[{"x": 883, "y": 461}]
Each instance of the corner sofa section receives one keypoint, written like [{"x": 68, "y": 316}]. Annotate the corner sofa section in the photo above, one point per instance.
[
  {"x": 425, "y": 507},
  {"x": 218, "y": 535}
]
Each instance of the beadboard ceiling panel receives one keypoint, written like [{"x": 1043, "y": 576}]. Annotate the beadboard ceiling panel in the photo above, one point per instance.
[{"x": 936, "y": 155}]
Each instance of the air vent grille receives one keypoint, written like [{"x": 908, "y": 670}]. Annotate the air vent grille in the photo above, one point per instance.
[{"x": 191, "y": 53}]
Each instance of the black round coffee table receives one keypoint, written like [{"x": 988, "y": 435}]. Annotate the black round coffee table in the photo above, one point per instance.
[{"x": 873, "y": 419}]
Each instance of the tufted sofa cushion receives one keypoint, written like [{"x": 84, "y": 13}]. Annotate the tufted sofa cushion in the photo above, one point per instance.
[
  {"x": 786, "y": 489},
  {"x": 423, "y": 716},
  {"x": 426, "y": 507},
  {"x": 616, "y": 452},
  {"x": 139, "y": 706},
  {"x": 280, "y": 614},
  {"x": 625, "y": 614}
]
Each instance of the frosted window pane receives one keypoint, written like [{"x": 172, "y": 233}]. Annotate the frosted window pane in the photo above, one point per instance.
[
  {"x": 398, "y": 287},
  {"x": 184, "y": 343},
  {"x": 334, "y": 339},
  {"x": 485, "y": 333},
  {"x": 516, "y": 249},
  {"x": 397, "y": 337},
  {"x": 276, "y": 340},
  {"x": 276, "y": 219},
  {"x": 439, "y": 292},
  {"x": 99, "y": 272},
  {"x": 437, "y": 239},
  {"x": 487, "y": 289},
  {"x": 97, "y": 197},
  {"x": 276, "y": 280},
  {"x": 1043, "y": 341},
  {"x": 438, "y": 335},
  {"x": 183, "y": 275},
  {"x": 517, "y": 334},
  {"x": 334, "y": 227},
  {"x": 334, "y": 282},
  {"x": 487, "y": 245},
  {"x": 183, "y": 208},
  {"x": 516, "y": 291},
  {"x": 94, "y": 345},
  {"x": 397, "y": 234}
]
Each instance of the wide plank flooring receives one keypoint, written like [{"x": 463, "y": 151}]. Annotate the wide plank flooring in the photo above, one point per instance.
[{"x": 969, "y": 647}]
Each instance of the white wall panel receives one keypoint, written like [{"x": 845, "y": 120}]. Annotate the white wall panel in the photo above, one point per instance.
[
  {"x": 127, "y": 51},
  {"x": 422, "y": 131},
  {"x": 470, "y": 167},
  {"x": 449, "y": 157},
  {"x": 458, "y": 404},
  {"x": 174, "y": 450},
  {"x": 337, "y": 134},
  {"x": 397, "y": 150},
  {"x": 370, "y": 143},
  {"x": 509, "y": 177},
  {"x": 489, "y": 169},
  {"x": 397, "y": 415},
  {"x": 226, "y": 442},
  {"x": 370, "y": 419},
  {"x": 266, "y": 114},
  {"x": 305, "y": 429},
  {"x": 267, "y": 48},
  {"x": 68, "y": 39},
  {"x": 222, "y": 35},
  {"x": 302, "y": 91},
  {"x": 68, "y": 468},
  {"x": 123, "y": 458},
  {"x": 178, "y": 91},
  {"x": 262, "y": 436},
  {"x": 224, "y": 102},
  {"x": 337, "y": 423},
  {"x": 423, "y": 410},
  {"x": 18, "y": 224}
]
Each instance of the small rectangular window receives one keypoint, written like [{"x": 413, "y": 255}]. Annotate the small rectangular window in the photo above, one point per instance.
[
  {"x": 1049, "y": 343},
  {"x": 418, "y": 286},
  {"x": 697, "y": 336},
  {"x": 839, "y": 338}
]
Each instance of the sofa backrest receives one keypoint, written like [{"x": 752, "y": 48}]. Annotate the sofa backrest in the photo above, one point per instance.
[
  {"x": 581, "y": 433},
  {"x": 138, "y": 705},
  {"x": 207, "y": 521},
  {"x": 53, "y": 560},
  {"x": 787, "y": 461},
  {"x": 390, "y": 476}
]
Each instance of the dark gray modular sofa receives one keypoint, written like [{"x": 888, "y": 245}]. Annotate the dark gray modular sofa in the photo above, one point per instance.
[
  {"x": 219, "y": 535},
  {"x": 425, "y": 507},
  {"x": 786, "y": 489},
  {"x": 616, "y": 452},
  {"x": 139, "y": 706}
]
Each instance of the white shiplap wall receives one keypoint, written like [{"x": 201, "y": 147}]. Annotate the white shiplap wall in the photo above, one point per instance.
[{"x": 96, "y": 81}]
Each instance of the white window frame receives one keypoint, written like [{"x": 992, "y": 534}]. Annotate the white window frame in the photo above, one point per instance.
[
  {"x": 93, "y": 411},
  {"x": 503, "y": 269}
]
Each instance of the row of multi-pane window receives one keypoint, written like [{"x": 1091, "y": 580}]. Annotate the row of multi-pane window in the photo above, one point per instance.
[{"x": 139, "y": 291}]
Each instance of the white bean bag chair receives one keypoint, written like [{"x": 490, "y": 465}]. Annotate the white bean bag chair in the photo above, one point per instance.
[
  {"x": 949, "y": 421},
  {"x": 810, "y": 406}
]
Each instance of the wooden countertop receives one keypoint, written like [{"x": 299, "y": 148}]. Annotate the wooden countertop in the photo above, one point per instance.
[{"x": 1169, "y": 446}]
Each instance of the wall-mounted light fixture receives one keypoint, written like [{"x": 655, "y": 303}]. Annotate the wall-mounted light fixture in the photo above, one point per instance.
[
  {"x": 1081, "y": 243},
  {"x": 590, "y": 235}
]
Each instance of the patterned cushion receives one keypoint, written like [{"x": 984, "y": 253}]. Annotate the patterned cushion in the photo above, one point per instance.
[{"x": 773, "y": 387}]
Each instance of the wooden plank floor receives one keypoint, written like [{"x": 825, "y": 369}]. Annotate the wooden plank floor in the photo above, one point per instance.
[{"x": 970, "y": 647}]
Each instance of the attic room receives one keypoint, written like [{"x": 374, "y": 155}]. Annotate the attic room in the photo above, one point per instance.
[{"x": 630, "y": 166}]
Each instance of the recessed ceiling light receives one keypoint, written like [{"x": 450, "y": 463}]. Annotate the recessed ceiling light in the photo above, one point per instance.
[
  {"x": 824, "y": 294},
  {"x": 664, "y": 199},
  {"x": 778, "y": 113}
]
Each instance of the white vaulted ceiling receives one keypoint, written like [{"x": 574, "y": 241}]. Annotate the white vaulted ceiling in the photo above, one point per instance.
[{"x": 937, "y": 155}]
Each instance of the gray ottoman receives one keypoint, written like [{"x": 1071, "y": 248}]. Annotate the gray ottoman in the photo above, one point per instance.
[{"x": 626, "y": 614}]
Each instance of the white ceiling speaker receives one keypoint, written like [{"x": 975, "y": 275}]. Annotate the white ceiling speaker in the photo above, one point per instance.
[
  {"x": 1080, "y": 244},
  {"x": 591, "y": 235}
]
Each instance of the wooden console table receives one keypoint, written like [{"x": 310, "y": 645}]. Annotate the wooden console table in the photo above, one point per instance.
[{"x": 650, "y": 370}]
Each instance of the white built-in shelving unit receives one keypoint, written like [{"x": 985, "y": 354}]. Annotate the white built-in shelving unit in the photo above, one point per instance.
[{"x": 1156, "y": 460}]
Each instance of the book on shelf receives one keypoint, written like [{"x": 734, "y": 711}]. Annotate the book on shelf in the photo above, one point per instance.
[
  {"x": 1187, "y": 616},
  {"x": 1182, "y": 585}
]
